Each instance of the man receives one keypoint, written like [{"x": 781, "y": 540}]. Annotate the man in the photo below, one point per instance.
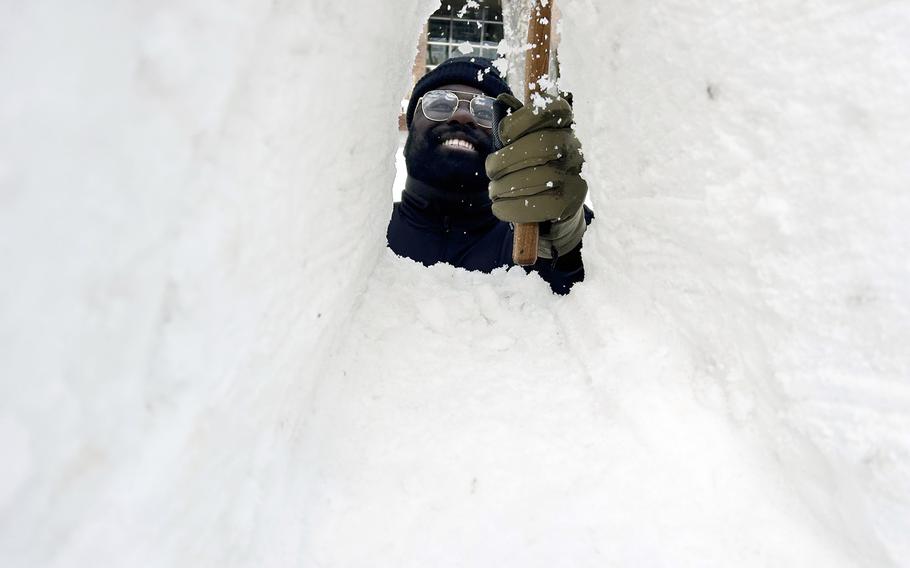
[{"x": 461, "y": 198}]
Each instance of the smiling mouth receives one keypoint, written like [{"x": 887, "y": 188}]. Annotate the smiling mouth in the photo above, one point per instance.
[{"x": 458, "y": 144}]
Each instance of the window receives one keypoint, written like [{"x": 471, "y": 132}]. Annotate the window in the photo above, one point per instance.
[
  {"x": 436, "y": 54},
  {"x": 456, "y": 23}
]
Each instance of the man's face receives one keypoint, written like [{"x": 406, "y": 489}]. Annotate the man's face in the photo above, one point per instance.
[{"x": 433, "y": 155}]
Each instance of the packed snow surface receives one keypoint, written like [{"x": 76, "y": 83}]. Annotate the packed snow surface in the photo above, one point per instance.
[{"x": 210, "y": 359}]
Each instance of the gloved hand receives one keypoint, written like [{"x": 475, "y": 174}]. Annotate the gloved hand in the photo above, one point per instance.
[{"x": 534, "y": 176}]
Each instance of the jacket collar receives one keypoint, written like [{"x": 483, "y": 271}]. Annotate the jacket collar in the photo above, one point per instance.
[{"x": 446, "y": 208}]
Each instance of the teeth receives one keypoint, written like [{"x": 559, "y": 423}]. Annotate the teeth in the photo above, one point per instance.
[{"x": 456, "y": 143}]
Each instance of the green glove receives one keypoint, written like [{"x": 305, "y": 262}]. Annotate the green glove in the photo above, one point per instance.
[{"x": 534, "y": 177}]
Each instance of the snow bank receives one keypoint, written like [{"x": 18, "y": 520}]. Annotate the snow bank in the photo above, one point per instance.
[
  {"x": 210, "y": 358},
  {"x": 193, "y": 196},
  {"x": 754, "y": 193}
]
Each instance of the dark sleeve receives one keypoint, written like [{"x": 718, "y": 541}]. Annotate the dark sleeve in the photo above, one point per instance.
[{"x": 564, "y": 271}]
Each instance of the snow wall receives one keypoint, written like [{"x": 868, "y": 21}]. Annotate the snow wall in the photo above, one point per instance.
[{"x": 210, "y": 358}]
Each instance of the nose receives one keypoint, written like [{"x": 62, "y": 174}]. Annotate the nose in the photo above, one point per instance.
[{"x": 463, "y": 113}]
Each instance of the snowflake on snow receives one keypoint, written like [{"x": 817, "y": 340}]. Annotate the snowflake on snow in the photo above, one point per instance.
[
  {"x": 539, "y": 101},
  {"x": 546, "y": 84},
  {"x": 468, "y": 5},
  {"x": 502, "y": 65}
]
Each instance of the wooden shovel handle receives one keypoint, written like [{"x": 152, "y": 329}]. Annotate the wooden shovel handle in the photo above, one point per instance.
[
  {"x": 537, "y": 64},
  {"x": 524, "y": 244}
]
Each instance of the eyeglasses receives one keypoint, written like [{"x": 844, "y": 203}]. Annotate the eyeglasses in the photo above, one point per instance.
[{"x": 440, "y": 106}]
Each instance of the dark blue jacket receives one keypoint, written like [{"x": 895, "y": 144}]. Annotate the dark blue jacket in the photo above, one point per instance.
[{"x": 429, "y": 225}]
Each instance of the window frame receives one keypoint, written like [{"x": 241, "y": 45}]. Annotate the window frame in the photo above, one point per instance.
[{"x": 483, "y": 47}]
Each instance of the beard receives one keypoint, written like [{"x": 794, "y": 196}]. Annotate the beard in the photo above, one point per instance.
[{"x": 430, "y": 162}]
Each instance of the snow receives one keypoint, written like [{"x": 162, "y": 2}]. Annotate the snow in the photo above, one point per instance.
[
  {"x": 401, "y": 169},
  {"x": 211, "y": 359},
  {"x": 468, "y": 4}
]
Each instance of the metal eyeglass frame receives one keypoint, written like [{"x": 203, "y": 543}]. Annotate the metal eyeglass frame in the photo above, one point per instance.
[{"x": 454, "y": 110}]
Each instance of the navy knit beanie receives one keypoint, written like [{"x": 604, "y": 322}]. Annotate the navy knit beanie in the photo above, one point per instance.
[{"x": 468, "y": 70}]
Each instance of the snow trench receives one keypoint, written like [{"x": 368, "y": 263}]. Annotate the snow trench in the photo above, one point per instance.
[{"x": 210, "y": 358}]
